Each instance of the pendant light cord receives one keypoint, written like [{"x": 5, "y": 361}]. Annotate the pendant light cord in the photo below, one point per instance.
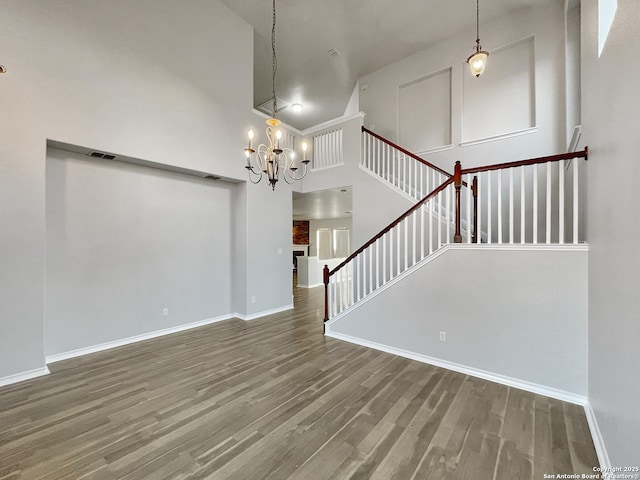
[
  {"x": 274, "y": 63},
  {"x": 478, "y": 47},
  {"x": 477, "y": 20}
]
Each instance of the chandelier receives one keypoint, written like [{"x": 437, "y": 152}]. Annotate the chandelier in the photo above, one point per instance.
[
  {"x": 273, "y": 159},
  {"x": 478, "y": 60}
]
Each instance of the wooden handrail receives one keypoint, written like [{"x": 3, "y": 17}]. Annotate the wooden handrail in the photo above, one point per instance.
[
  {"x": 392, "y": 224},
  {"x": 455, "y": 179},
  {"x": 532, "y": 161},
  {"x": 406, "y": 152}
]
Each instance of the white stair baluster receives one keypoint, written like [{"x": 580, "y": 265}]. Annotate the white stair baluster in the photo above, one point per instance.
[
  {"x": 469, "y": 194},
  {"x": 489, "y": 202},
  {"x": 439, "y": 217},
  {"x": 548, "y": 203},
  {"x": 522, "y": 205},
  {"x": 398, "y": 265},
  {"x": 404, "y": 173},
  {"x": 429, "y": 207},
  {"x": 406, "y": 244},
  {"x": 371, "y": 268},
  {"x": 378, "y": 269},
  {"x": 384, "y": 259},
  {"x": 421, "y": 232},
  {"x": 499, "y": 206},
  {"x": 511, "y": 206},
  {"x": 576, "y": 206},
  {"x": 413, "y": 246},
  {"x": 535, "y": 204},
  {"x": 356, "y": 276},
  {"x": 560, "y": 202}
]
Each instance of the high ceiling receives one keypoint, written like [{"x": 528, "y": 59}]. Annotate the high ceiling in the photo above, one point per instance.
[{"x": 367, "y": 34}]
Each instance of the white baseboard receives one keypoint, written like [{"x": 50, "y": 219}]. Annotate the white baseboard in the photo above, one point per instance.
[
  {"x": 129, "y": 340},
  {"x": 598, "y": 441},
  {"x": 264, "y": 313},
  {"x": 474, "y": 372},
  {"x": 21, "y": 377},
  {"x": 300, "y": 285}
]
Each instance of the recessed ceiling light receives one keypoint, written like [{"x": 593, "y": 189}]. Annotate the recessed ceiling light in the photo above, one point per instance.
[
  {"x": 3, "y": 69},
  {"x": 296, "y": 107}
]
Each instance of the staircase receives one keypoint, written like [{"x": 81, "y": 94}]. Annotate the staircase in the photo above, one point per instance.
[
  {"x": 401, "y": 170},
  {"x": 534, "y": 201}
]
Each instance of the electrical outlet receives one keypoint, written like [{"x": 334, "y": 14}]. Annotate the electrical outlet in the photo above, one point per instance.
[
  {"x": 165, "y": 312},
  {"x": 253, "y": 299},
  {"x": 279, "y": 251},
  {"x": 443, "y": 336}
]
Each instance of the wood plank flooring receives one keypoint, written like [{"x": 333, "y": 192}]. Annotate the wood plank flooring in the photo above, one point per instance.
[{"x": 275, "y": 399}]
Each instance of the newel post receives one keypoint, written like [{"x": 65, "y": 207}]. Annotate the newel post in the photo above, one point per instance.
[
  {"x": 457, "y": 182},
  {"x": 325, "y": 278}
]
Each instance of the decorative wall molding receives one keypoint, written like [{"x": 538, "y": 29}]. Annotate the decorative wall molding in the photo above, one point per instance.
[
  {"x": 507, "y": 89},
  {"x": 517, "y": 133},
  {"x": 332, "y": 123},
  {"x": 430, "y": 93},
  {"x": 474, "y": 372},
  {"x": 316, "y": 128},
  {"x": 431, "y": 151}
]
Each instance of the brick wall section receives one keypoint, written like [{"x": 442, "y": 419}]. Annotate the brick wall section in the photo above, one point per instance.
[{"x": 301, "y": 232}]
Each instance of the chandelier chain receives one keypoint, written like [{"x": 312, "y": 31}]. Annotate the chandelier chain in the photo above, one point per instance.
[
  {"x": 477, "y": 22},
  {"x": 274, "y": 62}
]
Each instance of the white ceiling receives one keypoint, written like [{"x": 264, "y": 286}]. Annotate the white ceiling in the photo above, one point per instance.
[
  {"x": 368, "y": 34},
  {"x": 323, "y": 204}
]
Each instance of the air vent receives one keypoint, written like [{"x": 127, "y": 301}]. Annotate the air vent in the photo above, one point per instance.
[
  {"x": 106, "y": 156},
  {"x": 333, "y": 52},
  {"x": 212, "y": 177}
]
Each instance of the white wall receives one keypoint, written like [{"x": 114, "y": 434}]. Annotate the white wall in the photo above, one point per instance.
[
  {"x": 610, "y": 97},
  {"x": 520, "y": 314},
  {"x": 546, "y": 24},
  {"x": 124, "y": 242},
  {"x": 159, "y": 80}
]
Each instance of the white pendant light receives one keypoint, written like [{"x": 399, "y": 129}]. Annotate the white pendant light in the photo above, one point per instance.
[{"x": 478, "y": 60}]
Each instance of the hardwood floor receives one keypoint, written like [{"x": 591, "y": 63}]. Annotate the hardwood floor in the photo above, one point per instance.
[{"x": 274, "y": 399}]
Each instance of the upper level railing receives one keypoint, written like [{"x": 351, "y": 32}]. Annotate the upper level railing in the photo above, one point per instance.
[
  {"x": 525, "y": 202},
  {"x": 507, "y": 203}
]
